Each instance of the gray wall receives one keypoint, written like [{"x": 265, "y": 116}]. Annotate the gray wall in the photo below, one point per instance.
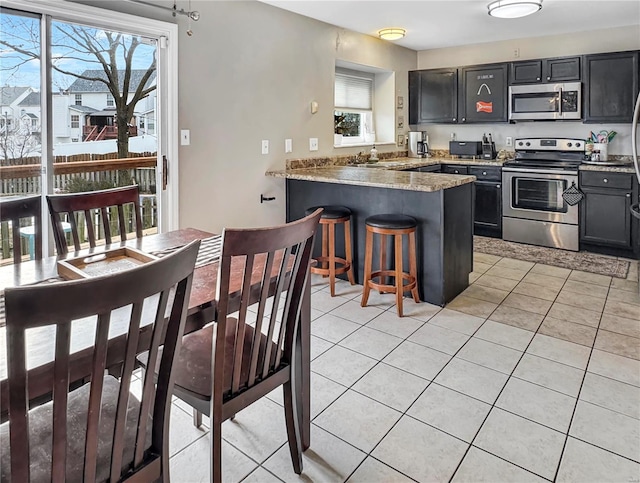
[
  {"x": 594, "y": 41},
  {"x": 250, "y": 72}
]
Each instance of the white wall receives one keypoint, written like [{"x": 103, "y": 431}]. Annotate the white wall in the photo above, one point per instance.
[{"x": 594, "y": 41}]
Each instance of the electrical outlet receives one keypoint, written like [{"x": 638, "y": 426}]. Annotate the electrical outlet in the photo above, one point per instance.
[
  {"x": 288, "y": 145},
  {"x": 516, "y": 53},
  {"x": 313, "y": 144},
  {"x": 265, "y": 146},
  {"x": 509, "y": 141}
]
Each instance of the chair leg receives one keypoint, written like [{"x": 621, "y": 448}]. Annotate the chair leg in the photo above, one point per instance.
[
  {"x": 368, "y": 260},
  {"x": 291, "y": 410},
  {"x": 413, "y": 268},
  {"x": 347, "y": 247},
  {"x": 216, "y": 449},
  {"x": 399, "y": 281},
  {"x": 325, "y": 245},
  {"x": 332, "y": 259},
  {"x": 383, "y": 258},
  {"x": 197, "y": 418}
]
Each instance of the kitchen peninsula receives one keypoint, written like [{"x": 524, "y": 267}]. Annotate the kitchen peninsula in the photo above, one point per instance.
[{"x": 441, "y": 203}]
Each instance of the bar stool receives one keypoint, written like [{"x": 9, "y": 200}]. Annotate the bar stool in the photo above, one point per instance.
[
  {"x": 332, "y": 216},
  {"x": 396, "y": 225}
]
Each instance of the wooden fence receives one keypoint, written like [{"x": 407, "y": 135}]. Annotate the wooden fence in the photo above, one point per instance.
[{"x": 22, "y": 177}]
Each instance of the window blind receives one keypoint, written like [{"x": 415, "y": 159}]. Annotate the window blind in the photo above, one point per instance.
[{"x": 353, "y": 90}]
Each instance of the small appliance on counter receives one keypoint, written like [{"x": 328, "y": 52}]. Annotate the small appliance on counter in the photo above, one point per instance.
[
  {"x": 418, "y": 144},
  {"x": 488, "y": 148},
  {"x": 465, "y": 148}
]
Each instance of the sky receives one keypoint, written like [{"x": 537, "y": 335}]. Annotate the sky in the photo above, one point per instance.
[{"x": 17, "y": 69}]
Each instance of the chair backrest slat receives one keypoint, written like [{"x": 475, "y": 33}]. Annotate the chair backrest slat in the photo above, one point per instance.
[
  {"x": 107, "y": 297},
  {"x": 14, "y": 210},
  {"x": 283, "y": 253},
  {"x": 60, "y": 396},
  {"x": 84, "y": 203},
  {"x": 95, "y": 397},
  {"x": 125, "y": 382}
]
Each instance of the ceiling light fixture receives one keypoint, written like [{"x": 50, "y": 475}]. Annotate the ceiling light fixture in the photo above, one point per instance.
[
  {"x": 513, "y": 8},
  {"x": 391, "y": 34}
]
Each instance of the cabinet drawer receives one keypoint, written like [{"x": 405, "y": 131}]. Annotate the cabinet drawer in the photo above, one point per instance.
[
  {"x": 486, "y": 173},
  {"x": 603, "y": 179},
  {"x": 455, "y": 169}
]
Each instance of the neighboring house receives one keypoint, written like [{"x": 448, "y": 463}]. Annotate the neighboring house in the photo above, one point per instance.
[{"x": 10, "y": 99}]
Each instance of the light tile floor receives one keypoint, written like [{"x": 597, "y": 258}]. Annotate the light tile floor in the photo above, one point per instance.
[{"x": 532, "y": 374}]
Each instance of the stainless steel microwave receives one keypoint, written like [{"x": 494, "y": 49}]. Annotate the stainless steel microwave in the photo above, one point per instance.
[{"x": 540, "y": 102}]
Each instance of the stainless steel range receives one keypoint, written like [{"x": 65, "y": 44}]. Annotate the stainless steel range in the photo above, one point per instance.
[{"x": 534, "y": 210}]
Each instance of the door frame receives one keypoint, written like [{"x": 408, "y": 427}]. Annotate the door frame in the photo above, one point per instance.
[{"x": 167, "y": 82}]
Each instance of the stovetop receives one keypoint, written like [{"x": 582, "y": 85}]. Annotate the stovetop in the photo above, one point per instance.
[{"x": 548, "y": 153}]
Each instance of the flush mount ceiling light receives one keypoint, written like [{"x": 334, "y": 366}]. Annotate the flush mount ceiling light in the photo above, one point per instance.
[
  {"x": 513, "y": 8},
  {"x": 391, "y": 34}
]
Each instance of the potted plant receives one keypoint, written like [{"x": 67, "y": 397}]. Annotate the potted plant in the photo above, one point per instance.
[{"x": 338, "y": 129}]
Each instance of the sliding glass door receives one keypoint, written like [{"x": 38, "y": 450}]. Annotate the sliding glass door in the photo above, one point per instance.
[{"x": 98, "y": 122}]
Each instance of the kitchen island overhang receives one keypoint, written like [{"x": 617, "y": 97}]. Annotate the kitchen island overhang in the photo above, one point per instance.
[{"x": 442, "y": 204}]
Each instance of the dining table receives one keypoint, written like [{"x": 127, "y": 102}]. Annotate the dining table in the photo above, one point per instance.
[{"x": 201, "y": 311}]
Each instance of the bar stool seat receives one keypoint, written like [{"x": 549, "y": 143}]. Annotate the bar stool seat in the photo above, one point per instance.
[
  {"x": 397, "y": 226},
  {"x": 328, "y": 264}
]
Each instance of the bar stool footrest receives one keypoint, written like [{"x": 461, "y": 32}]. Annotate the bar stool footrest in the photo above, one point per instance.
[
  {"x": 387, "y": 288},
  {"x": 346, "y": 266}
]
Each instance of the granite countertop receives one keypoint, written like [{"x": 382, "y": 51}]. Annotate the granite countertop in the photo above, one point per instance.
[
  {"x": 408, "y": 163},
  {"x": 376, "y": 177},
  {"x": 627, "y": 168}
]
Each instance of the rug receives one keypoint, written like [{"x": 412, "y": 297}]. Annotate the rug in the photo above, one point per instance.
[{"x": 585, "y": 261}]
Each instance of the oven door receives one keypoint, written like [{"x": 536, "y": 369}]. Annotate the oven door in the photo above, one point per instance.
[{"x": 537, "y": 195}]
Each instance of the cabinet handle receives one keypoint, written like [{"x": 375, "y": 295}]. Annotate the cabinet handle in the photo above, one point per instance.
[
  {"x": 456, "y": 171},
  {"x": 484, "y": 173},
  {"x": 454, "y": 118},
  {"x": 464, "y": 119},
  {"x": 549, "y": 78},
  {"x": 537, "y": 78},
  {"x": 605, "y": 180},
  {"x": 498, "y": 186},
  {"x": 628, "y": 195}
]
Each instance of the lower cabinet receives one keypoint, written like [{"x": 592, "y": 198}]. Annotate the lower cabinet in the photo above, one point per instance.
[
  {"x": 488, "y": 216},
  {"x": 605, "y": 219}
]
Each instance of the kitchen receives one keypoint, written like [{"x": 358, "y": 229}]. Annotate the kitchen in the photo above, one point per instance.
[{"x": 251, "y": 72}]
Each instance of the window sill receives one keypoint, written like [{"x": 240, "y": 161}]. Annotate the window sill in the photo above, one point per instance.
[{"x": 359, "y": 145}]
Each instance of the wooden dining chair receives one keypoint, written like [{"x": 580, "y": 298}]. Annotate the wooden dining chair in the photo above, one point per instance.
[
  {"x": 227, "y": 366},
  {"x": 14, "y": 210},
  {"x": 99, "y": 431},
  {"x": 74, "y": 203}
]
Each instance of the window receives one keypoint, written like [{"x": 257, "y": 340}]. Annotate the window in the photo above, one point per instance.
[
  {"x": 110, "y": 101},
  {"x": 34, "y": 123},
  {"x": 75, "y": 121},
  {"x": 353, "y": 104},
  {"x": 142, "y": 122},
  {"x": 78, "y": 99}
]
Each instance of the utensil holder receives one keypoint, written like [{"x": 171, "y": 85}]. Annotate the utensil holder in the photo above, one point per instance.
[{"x": 600, "y": 152}]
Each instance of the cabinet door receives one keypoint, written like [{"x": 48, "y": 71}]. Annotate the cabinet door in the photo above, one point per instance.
[
  {"x": 483, "y": 93},
  {"x": 610, "y": 86},
  {"x": 528, "y": 72},
  {"x": 561, "y": 70},
  {"x": 605, "y": 217},
  {"x": 455, "y": 169},
  {"x": 488, "y": 213},
  {"x": 433, "y": 96}
]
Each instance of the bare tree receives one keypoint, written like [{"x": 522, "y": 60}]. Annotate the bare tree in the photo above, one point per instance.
[
  {"x": 113, "y": 52},
  {"x": 18, "y": 142}
]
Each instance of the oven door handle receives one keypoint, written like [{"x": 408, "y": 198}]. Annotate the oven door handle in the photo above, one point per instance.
[
  {"x": 540, "y": 171},
  {"x": 560, "y": 102}
]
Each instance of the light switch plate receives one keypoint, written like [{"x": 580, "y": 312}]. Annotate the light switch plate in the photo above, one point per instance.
[
  {"x": 265, "y": 146},
  {"x": 185, "y": 137},
  {"x": 288, "y": 145},
  {"x": 313, "y": 144},
  {"x": 509, "y": 141}
]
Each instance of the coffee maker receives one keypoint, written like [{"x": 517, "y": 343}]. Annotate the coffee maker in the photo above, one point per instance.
[{"x": 418, "y": 144}]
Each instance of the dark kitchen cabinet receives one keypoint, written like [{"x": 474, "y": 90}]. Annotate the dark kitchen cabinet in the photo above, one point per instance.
[
  {"x": 560, "y": 69},
  {"x": 434, "y": 168},
  {"x": 433, "y": 96},
  {"x": 605, "y": 219},
  {"x": 455, "y": 169},
  {"x": 488, "y": 205},
  {"x": 483, "y": 94},
  {"x": 610, "y": 86}
]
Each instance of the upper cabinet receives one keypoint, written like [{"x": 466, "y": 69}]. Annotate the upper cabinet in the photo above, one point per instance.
[
  {"x": 560, "y": 69},
  {"x": 433, "y": 96},
  {"x": 610, "y": 86},
  {"x": 483, "y": 94}
]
